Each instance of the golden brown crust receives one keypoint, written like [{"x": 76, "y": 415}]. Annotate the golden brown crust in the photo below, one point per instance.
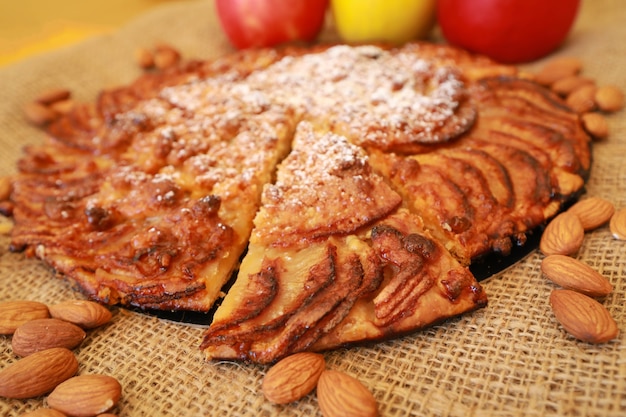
[
  {"x": 400, "y": 167},
  {"x": 344, "y": 285},
  {"x": 324, "y": 187}
]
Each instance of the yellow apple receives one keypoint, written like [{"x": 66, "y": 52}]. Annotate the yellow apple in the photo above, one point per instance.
[{"x": 394, "y": 21}]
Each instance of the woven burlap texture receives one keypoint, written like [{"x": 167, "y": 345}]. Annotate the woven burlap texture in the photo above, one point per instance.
[{"x": 509, "y": 359}]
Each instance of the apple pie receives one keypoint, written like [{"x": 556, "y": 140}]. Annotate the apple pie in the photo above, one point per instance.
[{"x": 307, "y": 197}]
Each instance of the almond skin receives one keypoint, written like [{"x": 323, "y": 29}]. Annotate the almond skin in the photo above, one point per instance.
[
  {"x": 583, "y": 317},
  {"x": 39, "y": 114},
  {"x": 341, "y": 395},
  {"x": 618, "y": 224},
  {"x": 596, "y": 125},
  {"x": 5, "y": 188},
  {"x": 63, "y": 106},
  {"x": 41, "y": 334},
  {"x": 15, "y": 313},
  {"x": 86, "y": 395},
  {"x": 564, "y": 235},
  {"x": 44, "y": 412},
  {"x": 83, "y": 313},
  {"x": 53, "y": 95},
  {"x": 593, "y": 212},
  {"x": 166, "y": 56},
  {"x": 558, "y": 69},
  {"x": 609, "y": 98},
  {"x": 293, "y": 377},
  {"x": 144, "y": 58},
  {"x": 575, "y": 275},
  {"x": 38, "y": 373},
  {"x": 582, "y": 100},
  {"x": 567, "y": 85}
]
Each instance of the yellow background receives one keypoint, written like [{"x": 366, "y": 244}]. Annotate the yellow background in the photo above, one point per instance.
[{"x": 29, "y": 27}]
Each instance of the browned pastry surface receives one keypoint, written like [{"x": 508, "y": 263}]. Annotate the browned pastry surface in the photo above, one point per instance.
[
  {"x": 304, "y": 285},
  {"x": 147, "y": 198}
]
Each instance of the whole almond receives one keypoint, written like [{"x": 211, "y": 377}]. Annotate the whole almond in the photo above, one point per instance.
[
  {"x": 567, "y": 85},
  {"x": 165, "y": 56},
  {"x": 84, "y": 313},
  {"x": 583, "y": 317},
  {"x": 342, "y": 395},
  {"x": 575, "y": 275},
  {"x": 39, "y": 114},
  {"x": 593, "y": 212},
  {"x": 41, "y": 334},
  {"x": 595, "y": 124},
  {"x": 563, "y": 235},
  {"x": 5, "y": 188},
  {"x": 293, "y": 377},
  {"x": 53, "y": 95},
  {"x": 144, "y": 58},
  {"x": 63, "y": 106},
  {"x": 37, "y": 374},
  {"x": 558, "y": 69},
  {"x": 43, "y": 412},
  {"x": 609, "y": 98},
  {"x": 582, "y": 100},
  {"x": 15, "y": 313},
  {"x": 86, "y": 395},
  {"x": 617, "y": 224}
]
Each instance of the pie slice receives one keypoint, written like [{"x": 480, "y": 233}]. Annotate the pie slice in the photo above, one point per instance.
[
  {"x": 332, "y": 262},
  {"x": 157, "y": 209},
  {"x": 514, "y": 169}
]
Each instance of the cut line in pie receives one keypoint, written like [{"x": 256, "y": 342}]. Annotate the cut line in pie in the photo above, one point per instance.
[{"x": 302, "y": 198}]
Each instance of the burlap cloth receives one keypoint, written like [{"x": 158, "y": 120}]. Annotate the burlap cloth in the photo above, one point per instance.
[{"x": 509, "y": 359}]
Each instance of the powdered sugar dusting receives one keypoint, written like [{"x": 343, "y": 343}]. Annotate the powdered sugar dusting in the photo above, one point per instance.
[
  {"x": 375, "y": 97},
  {"x": 222, "y": 133},
  {"x": 315, "y": 160}
]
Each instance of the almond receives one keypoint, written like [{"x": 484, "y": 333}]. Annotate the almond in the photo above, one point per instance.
[
  {"x": 44, "y": 412},
  {"x": 165, "y": 56},
  {"x": 341, "y": 395},
  {"x": 39, "y": 114},
  {"x": 593, "y": 212},
  {"x": 293, "y": 377},
  {"x": 84, "y": 313},
  {"x": 583, "y": 317},
  {"x": 41, "y": 334},
  {"x": 567, "y": 85},
  {"x": 15, "y": 313},
  {"x": 86, "y": 395},
  {"x": 582, "y": 100},
  {"x": 563, "y": 235},
  {"x": 557, "y": 69},
  {"x": 5, "y": 188},
  {"x": 144, "y": 58},
  {"x": 609, "y": 98},
  {"x": 617, "y": 224},
  {"x": 38, "y": 373},
  {"x": 53, "y": 95},
  {"x": 63, "y": 106},
  {"x": 595, "y": 124},
  {"x": 575, "y": 275}
]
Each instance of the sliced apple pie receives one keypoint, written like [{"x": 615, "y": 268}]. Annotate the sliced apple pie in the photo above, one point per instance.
[{"x": 309, "y": 197}]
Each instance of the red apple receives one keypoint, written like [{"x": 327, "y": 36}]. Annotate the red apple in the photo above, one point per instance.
[
  {"x": 260, "y": 23},
  {"x": 509, "y": 31}
]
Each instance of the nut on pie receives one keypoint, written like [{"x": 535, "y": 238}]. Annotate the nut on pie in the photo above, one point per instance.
[{"x": 311, "y": 197}]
